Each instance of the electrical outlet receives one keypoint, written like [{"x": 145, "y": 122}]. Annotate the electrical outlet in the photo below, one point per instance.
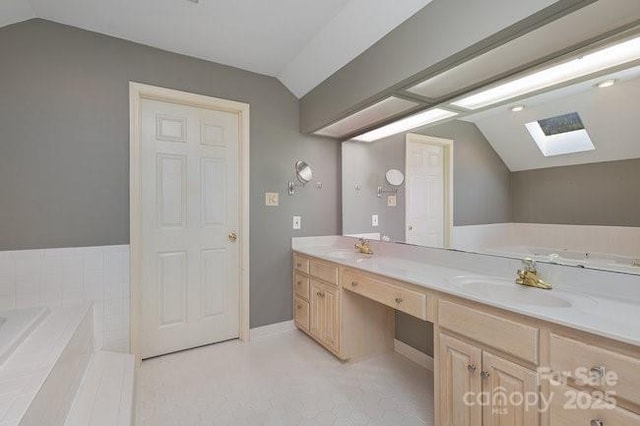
[
  {"x": 297, "y": 222},
  {"x": 392, "y": 201},
  {"x": 374, "y": 220},
  {"x": 271, "y": 199}
]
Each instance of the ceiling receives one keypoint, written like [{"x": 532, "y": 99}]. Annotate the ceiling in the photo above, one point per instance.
[
  {"x": 301, "y": 42},
  {"x": 609, "y": 116}
]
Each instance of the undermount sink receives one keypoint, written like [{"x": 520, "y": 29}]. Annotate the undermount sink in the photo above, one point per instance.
[
  {"x": 506, "y": 291},
  {"x": 347, "y": 254}
]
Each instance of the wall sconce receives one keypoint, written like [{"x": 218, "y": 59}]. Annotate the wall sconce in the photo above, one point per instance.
[
  {"x": 395, "y": 178},
  {"x": 304, "y": 174}
]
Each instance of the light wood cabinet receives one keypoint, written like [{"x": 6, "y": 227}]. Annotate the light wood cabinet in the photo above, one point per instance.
[
  {"x": 349, "y": 326},
  {"x": 481, "y": 351},
  {"x": 301, "y": 313},
  {"x": 459, "y": 375},
  {"x": 325, "y": 314},
  {"x": 476, "y": 385},
  {"x": 503, "y": 383}
]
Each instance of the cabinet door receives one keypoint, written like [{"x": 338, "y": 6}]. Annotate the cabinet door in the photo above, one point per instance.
[
  {"x": 508, "y": 387},
  {"x": 331, "y": 319},
  {"x": 316, "y": 302},
  {"x": 460, "y": 383}
]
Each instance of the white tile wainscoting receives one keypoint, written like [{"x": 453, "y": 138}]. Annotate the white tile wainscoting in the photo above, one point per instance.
[
  {"x": 64, "y": 276},
  {"x": 622, "y": 240}
]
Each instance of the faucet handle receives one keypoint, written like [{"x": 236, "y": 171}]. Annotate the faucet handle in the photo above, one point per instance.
[{"x": 529, "y": 264}]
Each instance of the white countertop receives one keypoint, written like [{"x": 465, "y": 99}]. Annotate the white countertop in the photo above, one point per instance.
[{"x": 586, "y": 307}]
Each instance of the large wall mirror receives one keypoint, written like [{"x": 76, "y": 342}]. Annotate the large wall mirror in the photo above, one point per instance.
[{"x": 551, "y": 173}]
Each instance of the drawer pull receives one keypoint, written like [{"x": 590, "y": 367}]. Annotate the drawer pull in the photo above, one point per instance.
[
  {"x": 354, "y": 284},
  {"x": 597, "y": 422},
  {"x": 320, "y": 293},
  {"x": 597, "y": 373},
  {"x": 298, "y": 265},
  {"x": 485, "y": 374},
  {"x": 299, "y": 282},
  {"x": 471, "y": 368},
  {"x": 299, "y": 306},
  {"x": 398, "y": 300}
]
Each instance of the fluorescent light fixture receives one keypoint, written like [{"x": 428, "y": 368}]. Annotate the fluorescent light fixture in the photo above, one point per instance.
[
  {"x": 600, "y": 60},
  {"x": 560, "y": 135},
  {"x": 417, "y": 120},
  {"x": 606, "y": 83},
  {"x": 517, "y": 108}
]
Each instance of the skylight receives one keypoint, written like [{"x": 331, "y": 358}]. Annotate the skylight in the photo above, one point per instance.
[{"x": 563, "y": 134}]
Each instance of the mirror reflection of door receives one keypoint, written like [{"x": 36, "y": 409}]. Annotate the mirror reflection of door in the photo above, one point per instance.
[{"x": 428, "y": 187}]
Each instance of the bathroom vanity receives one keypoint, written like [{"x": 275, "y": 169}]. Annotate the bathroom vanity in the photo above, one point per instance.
[{"x": 572, "y": 354}]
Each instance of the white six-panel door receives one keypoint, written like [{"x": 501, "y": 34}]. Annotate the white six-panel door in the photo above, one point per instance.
[
  {"x": 190, "y": 264},
  {"x": 426, "y": 191}
]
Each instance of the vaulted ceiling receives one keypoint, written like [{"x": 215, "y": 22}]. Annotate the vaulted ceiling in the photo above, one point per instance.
[
  {"x": 301, "y": 42},
  {"x": 609, "y": 116}
]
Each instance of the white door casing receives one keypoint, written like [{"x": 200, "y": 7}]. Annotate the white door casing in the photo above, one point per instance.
[
  {"x": 189, "y": 279},
  {"x": 428, "y": 170}
]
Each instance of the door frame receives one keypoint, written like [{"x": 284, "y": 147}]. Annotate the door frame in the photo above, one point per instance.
[
  {"x": 447, "y": 145},
  {"x": 138, "y": 92}
]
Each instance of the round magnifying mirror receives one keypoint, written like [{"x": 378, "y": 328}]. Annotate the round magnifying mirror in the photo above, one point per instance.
[
  {"x": 394, "y": 177},
  {"x": 303, "y": 172}
]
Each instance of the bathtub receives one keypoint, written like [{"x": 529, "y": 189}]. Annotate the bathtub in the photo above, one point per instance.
[
  {"x": 566, "y": 257},
  {"x": 15, "y": 327}
]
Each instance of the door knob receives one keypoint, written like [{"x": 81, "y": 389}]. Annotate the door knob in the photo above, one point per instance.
[{"x": 233, "y": 237}]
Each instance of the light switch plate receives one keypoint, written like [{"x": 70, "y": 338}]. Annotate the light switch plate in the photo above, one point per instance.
[
  {"x": 271, "y": 199},
  {"x": 297, "y": 222},
  {"x": 374, "y": 220},
  {"x": 392, "y": 201}
]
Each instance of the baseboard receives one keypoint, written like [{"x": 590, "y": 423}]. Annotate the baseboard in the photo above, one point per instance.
[
  {"x": 272, "y": 329},
  {"x": 413, "y": 354}
]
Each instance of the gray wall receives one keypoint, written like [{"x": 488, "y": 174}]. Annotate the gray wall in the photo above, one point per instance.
[
  {"x": 64, "y": 148},
  {"x": 365, "y": 164},
  {"x": 480, "y": 177},
  {"x": 481, "y": 181},
  {"x": 589, "y": 194}
]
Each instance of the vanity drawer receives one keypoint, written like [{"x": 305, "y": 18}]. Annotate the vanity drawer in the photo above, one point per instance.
[
  {"x": 324, "y": 271},
  {"x": 402, "y": 299},
  {"x": 567, "y": 355},
  {"x": 300, "y": 263},
  {"x": 301, "y": 285},
  {"x": 511, "y": 337},
  {"x": 570, "y": 407},
  {"x": 301, "y": 313}
]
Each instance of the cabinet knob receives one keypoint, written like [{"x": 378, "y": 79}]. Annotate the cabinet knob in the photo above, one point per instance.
[
  {"x": 398, "y": 299},
  {"x": 298, "y": 265},
  {"x": 299, "y": 282},
  {"x": 485, "y": 374},
  {"x": 471, "y": 368},
  {"x": 354, "y": 284},
  {"x": 597, "y": 422},
  {"x": 299, "y": 306},
  {"x": 320, "y": 293},
  {"x": 597, "y": 372}
]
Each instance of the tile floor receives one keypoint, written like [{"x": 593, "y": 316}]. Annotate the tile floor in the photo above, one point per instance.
[{"x": 285, "y": 379}]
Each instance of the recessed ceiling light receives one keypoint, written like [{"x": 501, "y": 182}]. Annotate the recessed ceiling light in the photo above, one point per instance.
[
  {"x": 517, "y": 108},
  {"x": 417, "y": 120},
  {"x": 606, "y": 83},
  {"x": 590, "y": 63}
]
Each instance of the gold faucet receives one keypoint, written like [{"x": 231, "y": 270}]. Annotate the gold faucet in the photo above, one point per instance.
[
  {"x": 529, "y": 276},
  {"x": 363, "y": 246}
]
